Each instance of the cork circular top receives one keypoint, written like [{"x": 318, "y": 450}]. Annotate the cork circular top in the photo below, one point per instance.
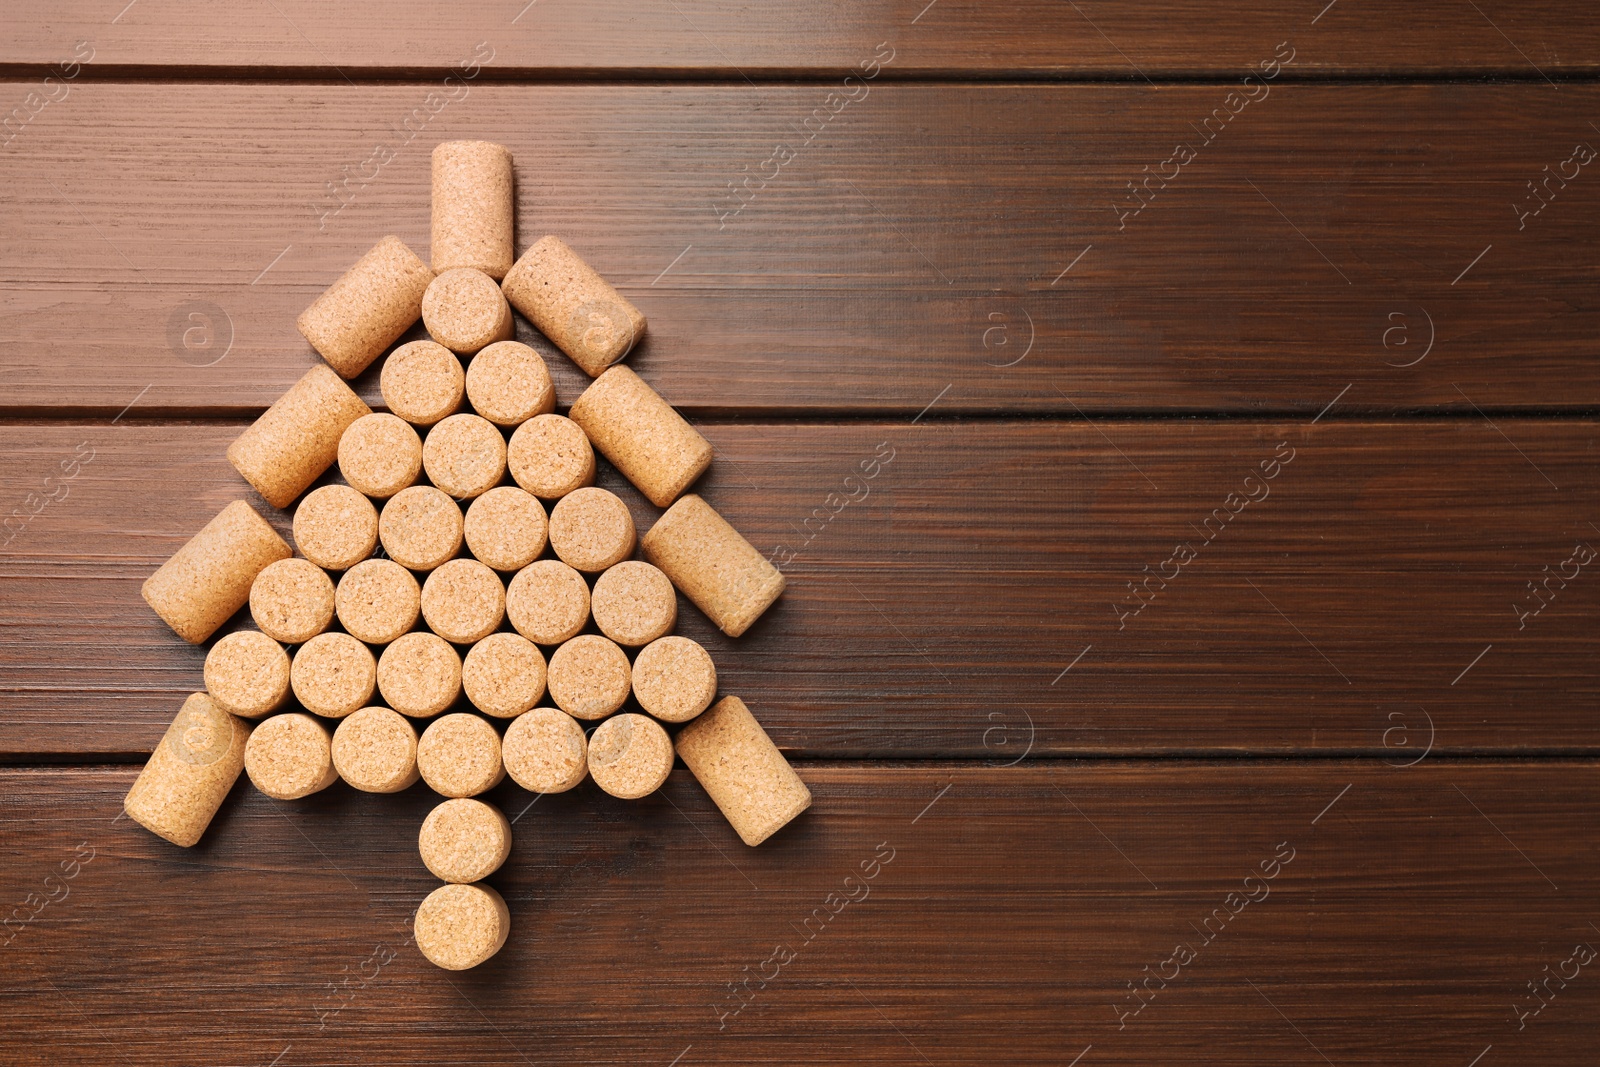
[
  {"x": 463, "y": 601},
  {"x": 464, "y": 310},
  {"x": 334, "y": 675},
  {"x": 508, "y": 384},
  {"x": 422, "y": 382},
  {"x": 545, "y": 751},
  {"x": 630, "y": 756},
  {"x": 591, "y": 529},
  {"x": 380, "y": 454},
  {"x": 247, "y": 673},
  {"x": 288, "y": 756},
  {"x": 588, "y": 677},
  {"x": 419, "y": 675},
  {"x": 464, "y": 455},
  {"x": 674, "y": 679},
  {"x": 378, "y": 600},
  {"x": 292, "y": 600},
  {"x": 420, "y": 528},
  {"x": 548, "y": 602},
  {"x": 460, "y": 926},
  {"x": 375, "y": 750},
  {"x": 550, "y": 456},
  {"x": 459, "y": 755},
  {"x": 503, "y": 675},
  {"x": 634, "y": 603},
  {"x": 336, "y": 527},
  {"x": 464, "y": 840},
  {"x": 506, "y": 528}
]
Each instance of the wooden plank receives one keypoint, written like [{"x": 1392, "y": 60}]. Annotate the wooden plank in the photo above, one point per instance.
[
  {"x": 978, "y": 584},
  {"x": 1008, "y": 914},
  {"x": 963, "y": 242}
]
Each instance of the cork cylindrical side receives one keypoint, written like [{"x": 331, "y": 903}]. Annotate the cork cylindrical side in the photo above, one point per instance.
[
  {"x": 573, "y": 306},
  {"x": 247, "y": 674},
  {"x": 289, "y": 757},
  {"x": 588, "y": 677},
  {"x": 422, "y": 382},
  {"x": 473, "y": 207},
  {"x": 464, "y": 455},
  {"x": 459, "y": 756},
  {"x": 591, "y": 529},
  {"x": 674, "y": 679},
  {"x": 209, "y": 578},
  {"x": 420, "y": 528},
  {"x": 643, "y": 436},
  {"x": 463, "y": 601},
  {"x": 460, "y": 926},
  {"x": 464, "y": 310},
  {"x": 297, "y": 438},
  {"x": 503, "y": 675},
  {"x": 712, "y": 564},
  {"x": 375, "y": 751},
  {"x": 733, "y": 758},
  {"x": 334, "y": 675},
  {"x": 547, "y": 602},
  {"x": 377, "y": 600},
  {"x": 292, "y": 600},
  {"x": 545, "y": 751},
  {"x": 634, "y": 603},
  {"x": 630, "y": 756},
  {"x": 380, "y": 454},
  {"x": 508, "y": 384},
  {"x": 335, "y": 527},
  {"x": 506, "y": 528},
  {"x": 368, "y": 308},
  {"x": 464, "y": 840},
  {"x": 419, "y": 674},
  {"x": 194, "y": 765},
  {"x": 550, "y": 456}
]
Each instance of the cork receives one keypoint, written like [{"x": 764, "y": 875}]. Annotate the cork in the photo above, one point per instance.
[
  {"x": 377, "y": 601},
  {"x": 506, "y": 528},
  {"x": 209, "y": 578},
  {"x": 464, "y": 456},
  {"x": 634, "y": 603},
  {"x": 503, "y": 675},
  {"x": 422, "y": 382},
  {"x": 748, "y": 778},
  {"x": 380, "y": 454},
  {"x": 547, "y": 602},
  {"x": 375, "y": 751},
  {"x": 588, "y": 677},
  {"x": 368, "y": 308},
  {"x": 545, "y": 751},
  {"x": 550, "y": 456},
  {"x": 194, "y": 765},
  {"x": 473, "y": 205},
  {"x": 572, "y": 305},
  {"x": 674, "y": 679},
  {"x": 460, "y": 926},
  {"x": 297, "y": 438},
  {"x": 630, "y": 756},
  {"x": 419, "y": 674},
  {"x": 642, "y": 435},
  {"x": 247, "y": 673},
  {"x": 508, "y": 384},
  {"x": 459, "y": 756},
  {"x": 464, "y": 310},
  {"x": 420, "y": 527},
  {"x": 463, "y": 601},
  {"x": 464, "y": 840},
  {"x": 712, "y": 564},
  {"x": 591, "y": 529},
  {"x": 335, "y": 527},
  {"x": 292, "y": 600},
  {"x": 289, "y": 757},
  {"x": 334, "y": 675}
]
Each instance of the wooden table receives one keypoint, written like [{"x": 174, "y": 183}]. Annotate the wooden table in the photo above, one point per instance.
[{"x": 1207, "y": 676}]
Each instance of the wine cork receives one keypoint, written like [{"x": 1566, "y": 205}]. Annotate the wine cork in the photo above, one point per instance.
[
  {"x": 463, "y": 601},
  {"x": 459, "y": 756},
  {"x": 573, "y": 306},
  {"x": 367, "y": 309},
  {"x": 547, "y": 602},
  {"x": 630, "y": 756},
  {"x": 591, "y": 529},
  {"x": 209, "y": 578},
  {"x": 712, "y": 564},
  {"x": 335, "y": 527},
  {"x": 464, "y": 456},
  {"x": 588, "y": 677},
  {"x": 289, "y": 757},
  {"x": 674, "y": 679},
  {"x": 191, "y": 770},
  {"x": 473, "y": 202},
  {"x": 422, "y": 382},
  {"x": 642, "y": 435},
  {"x": 545, "y": 751},
  {"x": 503, "y": 675},
  {"x": 375, "y": 751},
  {"x": 508, "y": 384},
  {"x": 380, "y": 454},
  {"x": 634, "y": 603},
  {"x": 292, "y": 600},
  {"x": 460, "y": 926},
  {"x": 420, "y": 528},
  {"x": 506, "y": 528},
  {"x": 297, "y": 438},
  {"x": 334, "y": 675},
  {"x": 247, "y": 673},
  {"x": 464, "y": 310},
  {"x": 550, "y": 456},
  {"x": 377, "y": 601},
  {"x": 743, "y": 771},
  {"x": 419, "y": 674},
  {"x": 464, "y": 840}
]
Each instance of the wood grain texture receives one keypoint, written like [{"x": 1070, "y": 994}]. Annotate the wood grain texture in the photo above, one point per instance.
[{"x": 953, "y": 241}]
